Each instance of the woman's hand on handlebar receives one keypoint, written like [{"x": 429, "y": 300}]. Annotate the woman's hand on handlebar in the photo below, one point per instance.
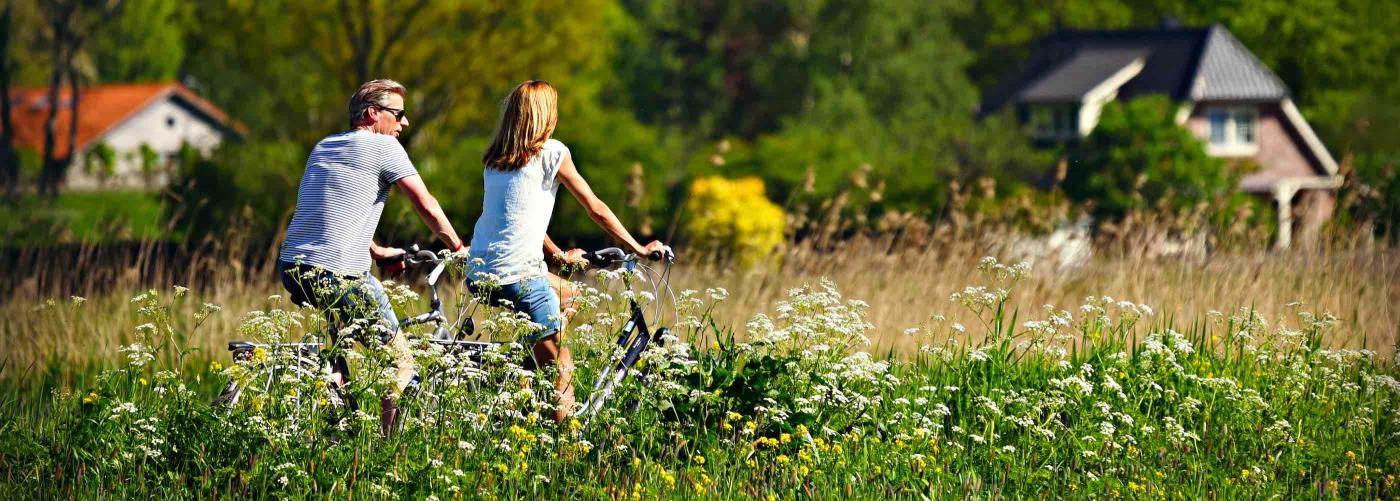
[
  {"x": 654, "y": 251},
  {"x": 572, "y": 257}
]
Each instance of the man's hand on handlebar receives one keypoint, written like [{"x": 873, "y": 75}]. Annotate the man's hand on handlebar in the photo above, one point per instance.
[
  {"x": 383, "y": 253},
  {"x": 391, "y": 263}
]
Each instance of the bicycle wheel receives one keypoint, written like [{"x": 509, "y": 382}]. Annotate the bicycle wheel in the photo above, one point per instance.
[
  {"x": 429, "y": 400},
  {"x": 279, "y": 390}
]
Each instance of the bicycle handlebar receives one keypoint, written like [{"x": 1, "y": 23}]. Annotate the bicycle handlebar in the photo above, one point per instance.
[
  {"x": 414, "y": 257},
  {"x": 613, "y": 255},
  {"x": 411, "y": 258}
]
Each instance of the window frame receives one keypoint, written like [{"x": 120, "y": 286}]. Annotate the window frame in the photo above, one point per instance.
[
  {"x": 1053, "y": 121},
  {"x": 1235, "y": 120}
]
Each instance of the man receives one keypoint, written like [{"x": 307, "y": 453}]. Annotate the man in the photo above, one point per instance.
[{"x": 325, "y": 261}]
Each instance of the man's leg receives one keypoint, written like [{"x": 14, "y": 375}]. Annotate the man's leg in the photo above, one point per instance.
[
  {"x": 403, "y": 355},
  {"x": 307, "y": 285}
]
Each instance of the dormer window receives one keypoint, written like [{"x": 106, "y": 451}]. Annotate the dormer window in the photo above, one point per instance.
[
  {"x": 1054, "y": 121},
  {"x": 1234, "y": 130}
]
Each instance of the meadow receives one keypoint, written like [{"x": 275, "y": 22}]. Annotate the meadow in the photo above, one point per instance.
[{"x": 876, "y": 368}]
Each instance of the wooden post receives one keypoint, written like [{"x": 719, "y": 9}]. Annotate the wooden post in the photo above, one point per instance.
[{"x": 1283, "y": 197}]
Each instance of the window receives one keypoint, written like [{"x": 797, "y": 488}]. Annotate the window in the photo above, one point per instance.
[
  {"x": 1057, "y": 121},
  {"x": 170, "y": 121},
  {"x": 1233, "y": 130}
]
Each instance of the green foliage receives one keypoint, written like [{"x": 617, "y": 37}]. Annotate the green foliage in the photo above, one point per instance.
[
  {"x": 88, "y": 217},
  {"x": 1138, "y": 156},
  {"x": 145, "y": 43},
  {"x": 450, "y": 55},
  {"x": 249, "y": 186},
  {"x": 869, "y": 97},
  {"x": 101, "y": 161}
]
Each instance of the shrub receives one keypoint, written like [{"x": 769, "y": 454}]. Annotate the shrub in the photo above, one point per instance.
[
  {"x": 733, "y": 216},
  {"x": 248, "y": 186},
  {"x": 1138, "y": 156}
]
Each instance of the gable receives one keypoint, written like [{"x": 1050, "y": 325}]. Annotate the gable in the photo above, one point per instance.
[{"x": 1229, "y": 71}]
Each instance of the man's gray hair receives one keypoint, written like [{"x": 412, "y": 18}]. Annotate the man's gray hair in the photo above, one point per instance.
[{"x": 373, "y": 92}]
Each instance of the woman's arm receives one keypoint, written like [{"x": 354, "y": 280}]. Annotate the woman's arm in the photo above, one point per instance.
[{"x": 599, "y": 211}]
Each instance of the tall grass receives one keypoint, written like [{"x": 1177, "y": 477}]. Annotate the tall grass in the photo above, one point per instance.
[
  {"x": 1104, "y": 398},
  {"x": 905, "y": 280}
]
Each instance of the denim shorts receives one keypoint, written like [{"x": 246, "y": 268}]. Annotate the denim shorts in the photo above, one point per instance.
[
  {"x": 534, "y": 297},
  {"x": 325, "y": 290}
]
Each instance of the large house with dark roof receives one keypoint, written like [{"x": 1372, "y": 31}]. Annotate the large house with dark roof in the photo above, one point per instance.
[
  {"x": 1228, "y": 99},
  {"x": 140, "y": 124}
]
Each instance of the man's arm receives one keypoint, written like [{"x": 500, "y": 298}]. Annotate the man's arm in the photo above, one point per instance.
[{"x": 429, "y": 211}]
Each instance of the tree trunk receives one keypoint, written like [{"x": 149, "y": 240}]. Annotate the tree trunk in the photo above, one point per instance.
[
  {"x": 9, "y": 160},
  {"x": 68, "y": 156},
  {"x": 46, "y": 176}
]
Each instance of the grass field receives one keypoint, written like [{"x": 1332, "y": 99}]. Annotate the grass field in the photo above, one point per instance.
[
  {"x": 1249, "y": 375},
  {"x": 105, "y": 216}
]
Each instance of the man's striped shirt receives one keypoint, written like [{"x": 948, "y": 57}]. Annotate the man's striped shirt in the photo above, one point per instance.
[{"x": 340, "y": 199}]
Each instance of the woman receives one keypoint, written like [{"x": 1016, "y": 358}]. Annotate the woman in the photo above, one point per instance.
[{"x": 524, "y": 168}]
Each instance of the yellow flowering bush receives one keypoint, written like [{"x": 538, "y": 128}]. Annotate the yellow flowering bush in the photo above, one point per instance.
[{"x": 734, "y": 216}]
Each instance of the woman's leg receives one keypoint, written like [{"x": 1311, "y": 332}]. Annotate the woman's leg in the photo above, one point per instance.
[
  {"x": 566, "y": 291},
  {"x": 541, "y": 299},
  {"x": 549, "y": 351}
]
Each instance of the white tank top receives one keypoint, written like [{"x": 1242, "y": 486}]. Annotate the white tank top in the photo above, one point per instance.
[{"x": 516, "y": 206}]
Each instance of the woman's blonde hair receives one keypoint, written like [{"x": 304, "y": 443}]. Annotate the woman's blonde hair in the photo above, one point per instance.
[{"x": 528, "y": 117}]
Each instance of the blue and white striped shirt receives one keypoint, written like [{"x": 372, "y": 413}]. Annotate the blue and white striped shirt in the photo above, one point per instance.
[{"x": 341, "y": 197}]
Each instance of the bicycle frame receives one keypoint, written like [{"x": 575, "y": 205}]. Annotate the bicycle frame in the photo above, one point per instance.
[{"x": 638, "y": 333}]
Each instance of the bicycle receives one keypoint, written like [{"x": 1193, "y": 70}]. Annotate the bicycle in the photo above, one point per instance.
[{"x": 307, "y": 358}]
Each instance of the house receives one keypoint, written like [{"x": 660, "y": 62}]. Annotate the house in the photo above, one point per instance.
[
  {"x": 143, "y": 126},
  {"x": 1228, "y": 99}
]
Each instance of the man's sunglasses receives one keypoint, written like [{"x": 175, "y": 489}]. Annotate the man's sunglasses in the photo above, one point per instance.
[{"x": 397, "y": 112}]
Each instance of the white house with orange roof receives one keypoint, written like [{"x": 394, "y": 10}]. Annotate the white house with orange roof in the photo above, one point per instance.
[{"x": 143, "y": 126}]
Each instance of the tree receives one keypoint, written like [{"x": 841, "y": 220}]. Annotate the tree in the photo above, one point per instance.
[
  {"x": 9, "y": 159},
  {"x": 458, "y": 59},
  {"x": 1138, "y": 156},
  {"x": 149, "y": 47},
  {"x": 70, "y": 22}
]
